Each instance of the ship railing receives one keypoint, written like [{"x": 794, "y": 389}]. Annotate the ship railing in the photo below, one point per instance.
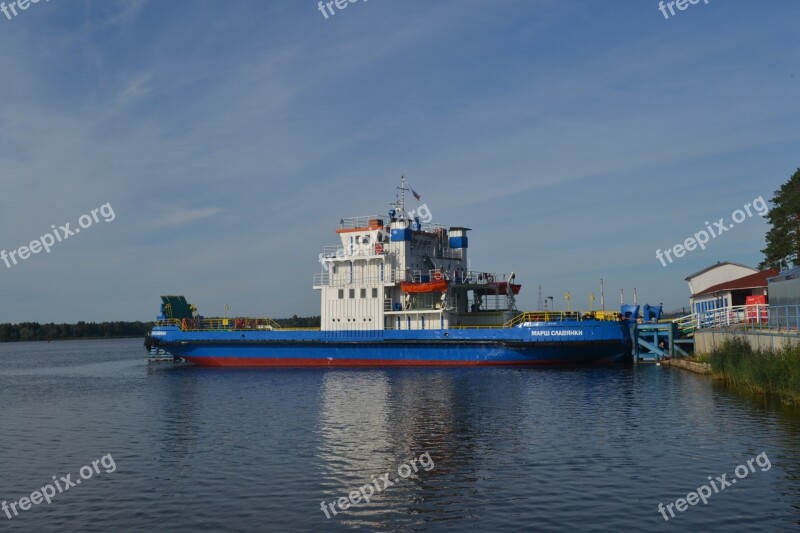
[
  {"x": 446, "y": 253},
  {"x": 400, "y": 275},
  {"x": 608, "y": 316},
  {"x": 356, "y": 250},
  {"x": 362, "y": 222},
  {"x": 227, "y": 324},
  {"x": 456, "y": 275},
  {"x": 344, "y": 280},
  {"x": 477, "y": 277},
  {"x": 429, "y": 227},
  {"x": 322, "y": 278},
  {"x": 484, "y": 326},
  {"x": 379, "y": 221},
  {"x": 542, "y": 316}
]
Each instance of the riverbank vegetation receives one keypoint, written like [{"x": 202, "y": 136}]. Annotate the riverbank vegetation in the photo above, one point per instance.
[
  {"x": 34, "y": 331},
  {"x": 762, "y": 371}
]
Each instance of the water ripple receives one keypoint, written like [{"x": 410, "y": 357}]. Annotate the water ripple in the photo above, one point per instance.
[{"x": 512, "y": 449}]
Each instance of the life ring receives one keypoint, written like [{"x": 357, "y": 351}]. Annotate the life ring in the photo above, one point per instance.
[
  {"x": 489, "y": 278},
  {"x": 378, "y": 248},
  {"x": 437, "y": 276}
]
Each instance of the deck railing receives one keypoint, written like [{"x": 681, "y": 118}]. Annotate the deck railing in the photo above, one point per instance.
[
  {"x": 557, "y": 316},
  {"x": 227, "y": 324},
  {"x": 343, "y": 280},
  {"x": 743, "y": 317}
]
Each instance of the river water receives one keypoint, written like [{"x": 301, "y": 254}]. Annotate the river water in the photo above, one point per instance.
[{"x": 182, "y": 448}]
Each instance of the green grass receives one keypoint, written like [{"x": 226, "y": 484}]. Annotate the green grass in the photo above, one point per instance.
[{"x": 762, "y": 371}]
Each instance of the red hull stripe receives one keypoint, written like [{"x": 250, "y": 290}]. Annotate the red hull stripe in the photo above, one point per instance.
[{"x": 308, "y": 362}]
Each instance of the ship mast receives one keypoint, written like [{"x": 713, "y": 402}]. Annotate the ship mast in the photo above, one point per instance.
[{"x": 400, "y": 204}]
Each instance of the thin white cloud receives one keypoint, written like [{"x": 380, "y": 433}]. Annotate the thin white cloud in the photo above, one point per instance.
[{"x": 179, "y": 216}]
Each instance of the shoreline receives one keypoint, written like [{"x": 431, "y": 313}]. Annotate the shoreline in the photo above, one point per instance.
[
  {"x": 69, "y": 339},
  {"x": 764, "y": 371}
]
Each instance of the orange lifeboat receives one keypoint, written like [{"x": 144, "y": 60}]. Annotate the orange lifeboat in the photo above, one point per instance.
[{"x": 424, "y": 287}]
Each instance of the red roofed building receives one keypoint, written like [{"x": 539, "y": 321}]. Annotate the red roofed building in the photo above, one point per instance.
[{"x": 732, "y": 292}]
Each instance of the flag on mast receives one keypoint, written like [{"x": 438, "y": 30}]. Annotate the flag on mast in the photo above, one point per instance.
[{"x": 416, "y": 195}]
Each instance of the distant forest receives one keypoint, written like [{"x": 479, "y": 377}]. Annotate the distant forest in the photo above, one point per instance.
[{"x": 33, "y": 331}]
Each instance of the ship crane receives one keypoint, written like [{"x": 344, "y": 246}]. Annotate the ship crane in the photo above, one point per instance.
[{"x": 512, "y": 302}]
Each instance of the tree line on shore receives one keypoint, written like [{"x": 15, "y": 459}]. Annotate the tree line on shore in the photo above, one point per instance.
[{"x": 34, "y": 331}]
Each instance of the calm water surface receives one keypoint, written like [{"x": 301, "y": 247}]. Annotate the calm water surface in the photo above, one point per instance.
[{"x": 594, "y": 449}]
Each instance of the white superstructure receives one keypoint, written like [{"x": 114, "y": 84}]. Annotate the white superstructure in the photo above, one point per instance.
[{"x": 398, "y": 272}]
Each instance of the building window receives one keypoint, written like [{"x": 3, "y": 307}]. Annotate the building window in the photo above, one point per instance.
[
  {"x": 352, "y": 293},
  {"x": 374, "y": 292},
  {"x": 341, "y": 294},
  {"x": 335, "y": 269},
  {"x": 363, "y": 293}
]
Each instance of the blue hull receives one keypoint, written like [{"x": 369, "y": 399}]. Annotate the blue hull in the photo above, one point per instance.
[{"x": 578, "y": 342}]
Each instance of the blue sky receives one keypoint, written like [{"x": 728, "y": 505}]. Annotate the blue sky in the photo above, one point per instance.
[{"x": 574, "y": 137}]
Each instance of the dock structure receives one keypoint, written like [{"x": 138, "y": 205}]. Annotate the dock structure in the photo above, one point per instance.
[
  {"x": 160, "y": 355},
  {"x": 763, "y": 326},
  {"x": 653, "y": 341}
]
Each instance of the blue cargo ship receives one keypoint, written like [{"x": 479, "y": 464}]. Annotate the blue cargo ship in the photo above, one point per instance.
[{"x": 398, "y": 290}]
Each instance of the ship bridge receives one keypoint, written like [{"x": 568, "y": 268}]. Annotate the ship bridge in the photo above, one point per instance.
[{"x": 396, "y": 271}]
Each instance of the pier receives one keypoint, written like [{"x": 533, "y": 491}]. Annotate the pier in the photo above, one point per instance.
[
  {"x": 763, "y": 326},
  {"x": 654, "y": 341}
]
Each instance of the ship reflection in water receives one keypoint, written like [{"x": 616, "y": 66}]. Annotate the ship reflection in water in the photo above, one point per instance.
[
  {"x": 531, "y": 448},
  {"x": 371, "y": 424},
  {"x": 511, "y": 449}
]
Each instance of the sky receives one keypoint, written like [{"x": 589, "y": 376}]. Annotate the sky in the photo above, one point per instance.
[{"x": 575, "y": 138}]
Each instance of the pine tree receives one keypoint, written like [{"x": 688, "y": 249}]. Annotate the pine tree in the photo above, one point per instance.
[{"x": 783, "y": 238}]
